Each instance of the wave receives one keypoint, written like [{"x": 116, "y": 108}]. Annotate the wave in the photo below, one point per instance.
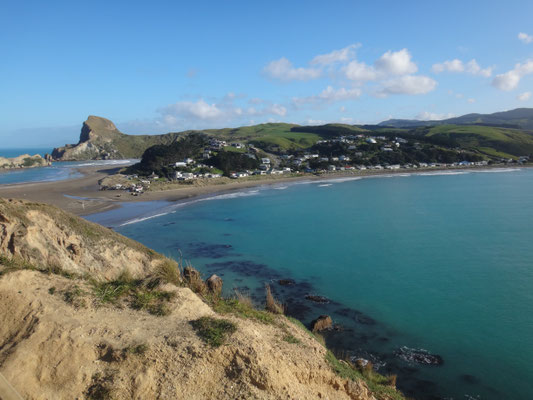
[
  {"x": 104, "y": 162},
  {"x": 280, "y": 187},
  {"x": 136, "y": 220},
  {"x": 325, "y": 185}
]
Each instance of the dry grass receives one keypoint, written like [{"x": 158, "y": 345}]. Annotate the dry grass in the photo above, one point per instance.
[
  {"x": 169, "y": 272},
  {"x": 272, "y": 305}
]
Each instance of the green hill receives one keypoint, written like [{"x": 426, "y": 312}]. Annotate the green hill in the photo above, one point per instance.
[{"x": 490, "y": 140}]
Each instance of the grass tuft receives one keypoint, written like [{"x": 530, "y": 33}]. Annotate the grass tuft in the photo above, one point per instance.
[
  {"x": 243, "y": 308},
  {"x": 272, "y": 305},
  {"x": 214, "y": 331}
]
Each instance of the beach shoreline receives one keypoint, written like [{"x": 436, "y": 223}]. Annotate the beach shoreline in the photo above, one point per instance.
[{"x": 82, "y": 196}]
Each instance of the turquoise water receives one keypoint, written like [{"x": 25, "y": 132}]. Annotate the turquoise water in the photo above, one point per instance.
[{"x": 442, "y": 263}]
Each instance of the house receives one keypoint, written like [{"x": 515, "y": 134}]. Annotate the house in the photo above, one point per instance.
[
  {"x": 371, "y": 140},
  {"x": 188, "y": 161},
  {"x": 186, "y": 176},
  {"x": 344, "y": 158},
  {"x": 180, "y": 164},
  {"x": 331, "y": 168},
  {"x": 153, "y": 176},
  {"x": 385, "y": 148},
  {"x": 236, "y": 175},
  {"x": 265, "y": 161},
  {"x": 238, "y": 145}
]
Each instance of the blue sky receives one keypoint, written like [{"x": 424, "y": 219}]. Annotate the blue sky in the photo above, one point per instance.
[{"x": 154, "y": 67}]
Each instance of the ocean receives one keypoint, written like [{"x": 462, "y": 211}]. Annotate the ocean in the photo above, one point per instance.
[
  {"x": 56, "y": 172},
  {"x": 412, "y": 267}
]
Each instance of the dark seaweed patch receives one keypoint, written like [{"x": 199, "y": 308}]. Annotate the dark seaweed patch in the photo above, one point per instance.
[{"x": 244, "y": 268}]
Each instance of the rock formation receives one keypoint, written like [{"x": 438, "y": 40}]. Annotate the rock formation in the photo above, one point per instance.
[{"x": 24, "y": 161}]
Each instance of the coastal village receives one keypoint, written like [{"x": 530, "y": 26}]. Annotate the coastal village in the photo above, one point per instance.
[{"x": 343, "y": 154}]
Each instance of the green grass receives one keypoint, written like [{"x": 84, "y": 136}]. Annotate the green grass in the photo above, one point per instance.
[
  {"x": 291, "y": 339},
  {"x": 490, "y": 140},
  {"x": 234, "y": 149},
  {"x": 242, "y": 309},
  {"x": 214, "y": 331},
  {"x": 141, "y": 295}
]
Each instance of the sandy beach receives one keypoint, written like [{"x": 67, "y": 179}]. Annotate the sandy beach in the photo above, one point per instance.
[{"x": 82, "y": 196}]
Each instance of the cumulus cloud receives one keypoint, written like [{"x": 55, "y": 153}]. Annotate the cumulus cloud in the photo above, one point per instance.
[
  {"x": 471, "y": 101},
  {"x": 408, "y": 84},
  {"x": 283, "y": 70},
  {"x": 329, "y": 95},
  {"x": 524, "y": 37},
  {"x": 201, "y": 114},
  {"x": 457, "y": 66},
  {"x": 336, "y": 56},
  {"x": 396, "y": 63},
  {"x": 360, "y": 72},
  {"x": 392, "y": 63},
  {"x": 524, "y": 96},
  {"x": 510, "y": 79},
  {"x": 429, "y": 116}
]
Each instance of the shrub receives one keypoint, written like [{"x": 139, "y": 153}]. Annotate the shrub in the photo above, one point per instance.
[{"x": 214, "y": 331}]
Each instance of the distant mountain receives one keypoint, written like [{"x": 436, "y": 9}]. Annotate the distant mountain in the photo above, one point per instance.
[{"x": 518, "y": 118}]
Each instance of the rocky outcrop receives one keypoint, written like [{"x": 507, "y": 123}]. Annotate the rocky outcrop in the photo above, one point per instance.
[
  {"x": 24, "y": 161},
  {"x": 322, "y": 323},
  {"x": 100, "y": 139},
  {"x": 214, "y": 285},
  {"x": 44, "y": 235}
]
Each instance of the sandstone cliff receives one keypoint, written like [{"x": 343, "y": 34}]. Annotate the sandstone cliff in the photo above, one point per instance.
[{"x": 88, "y": 314}]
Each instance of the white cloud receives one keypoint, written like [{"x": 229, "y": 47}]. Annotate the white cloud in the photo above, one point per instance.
[
  {"x": 342, "y": 55},
  {"x": 283, "y": 70},
  {"x": 396, "y": 63},
  {"x": 200, "y": 114},
  {"x": 330, "y": 95},
  {"x": 524, "y": 96},
  {"x": 457, "y": 66},
  {"x": 471, "y": 101},
  {"x": 199, "y": 110},
  {"x": 408, "y": 84},
  {"x": 342, "y": 109},
  {"x": 510, "y": 79},
  {"x": 524, "y": 37},
  {"x": 360, "y": 72},
  {"x": 429, "y": 116}
]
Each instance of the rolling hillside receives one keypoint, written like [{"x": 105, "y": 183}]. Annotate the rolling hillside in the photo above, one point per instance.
[{"x": 518, "y": 118}]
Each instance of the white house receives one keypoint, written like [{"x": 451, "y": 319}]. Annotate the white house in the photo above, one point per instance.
[{"x": 265, "y": 160}]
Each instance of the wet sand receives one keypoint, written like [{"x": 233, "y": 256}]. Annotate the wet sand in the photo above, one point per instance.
[{"x": 81, "y": 196}]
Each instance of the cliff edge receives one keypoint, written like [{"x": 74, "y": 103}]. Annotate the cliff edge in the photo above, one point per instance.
[{"x": 87, "y": 313}]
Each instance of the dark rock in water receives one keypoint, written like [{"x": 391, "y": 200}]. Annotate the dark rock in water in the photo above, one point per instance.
[
  {"x": 356, "y": 315},
  {"x": 321, "y": 323},
  {"x": 286, "y": 282},
  {"x": 317, "y": 299},
  {"x": 214, "y": 285},
  {"x": 296, "y": 309},
  {"x": 419, "y": 356},
  {"x": 470, "y": 379},
  {"x": 338, "y": 328},
  {"x": 208, "y": 250}
]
